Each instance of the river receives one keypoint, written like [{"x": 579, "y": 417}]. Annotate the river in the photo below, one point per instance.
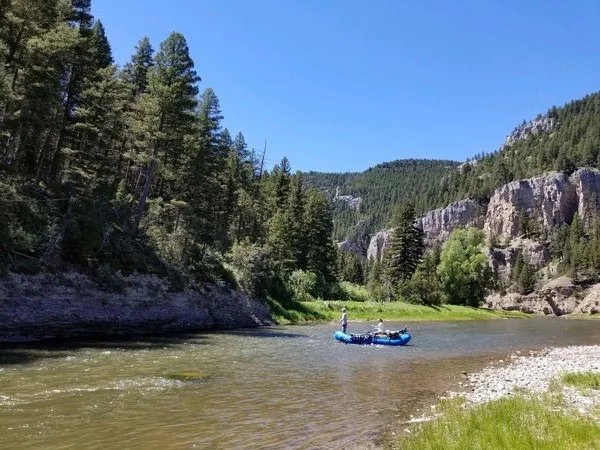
[{"x": 279, "y": 387}]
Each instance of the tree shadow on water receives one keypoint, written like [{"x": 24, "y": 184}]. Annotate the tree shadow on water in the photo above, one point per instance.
[
  {"x": 30, "y": 352},
  {"x": 264, "y": 333}
]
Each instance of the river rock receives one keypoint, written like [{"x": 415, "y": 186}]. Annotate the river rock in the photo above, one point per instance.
[
  {"x": 536, "y": 374},
  {"x": 71, "y": 304}
]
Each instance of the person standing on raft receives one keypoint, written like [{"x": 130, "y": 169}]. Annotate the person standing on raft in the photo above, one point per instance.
[{"x": 344, "y": 320}]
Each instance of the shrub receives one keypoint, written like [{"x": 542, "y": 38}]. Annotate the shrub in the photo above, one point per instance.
[
  {"x": 304, "y": 285},
  {"x": 251, "y": 267},
  {"x": 421, "y": 289},
  {"x": 353, "y": 292}
]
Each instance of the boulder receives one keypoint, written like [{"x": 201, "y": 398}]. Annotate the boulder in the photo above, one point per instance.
[
  {"x": 531, "y": 304},
  {"x": 591, "y": 302},
  {"x": 555, "y": 297}
]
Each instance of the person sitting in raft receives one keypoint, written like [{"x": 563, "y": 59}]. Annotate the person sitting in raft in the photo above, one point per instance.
[
  {"x": 344, "y": 320},
  {"x": 378, "y": 330}
]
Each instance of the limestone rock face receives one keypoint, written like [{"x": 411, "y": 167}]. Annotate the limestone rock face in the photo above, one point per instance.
[
  {"x": 531, "y": 304},
  {"x": 351, "y": 247},
  {"x": 587, "y": 187},
  {"x": 540, "y": 125},
  {"x": 554, "y": 298},
  {"x": 551, "y": 200},
  {"x": 377, "y": 245},
  {"x": 71, "y": 304},
  {"x": 437, "y": 225},
  {"x": 350, "y": 200},
  {"x": 502, "y": 261}
]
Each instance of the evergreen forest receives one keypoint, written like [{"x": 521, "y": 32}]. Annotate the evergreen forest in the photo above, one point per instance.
[{"x": 121, "y": 170}]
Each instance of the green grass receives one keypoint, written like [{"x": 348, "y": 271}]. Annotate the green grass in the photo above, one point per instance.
[
  {"x": 510, "y": 423},
  {"x": 583, "y": 380},
  {"x": 319, "y": 310}
]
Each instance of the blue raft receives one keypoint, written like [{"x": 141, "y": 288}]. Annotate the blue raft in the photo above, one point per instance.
[{"x": 400, "y": 339}]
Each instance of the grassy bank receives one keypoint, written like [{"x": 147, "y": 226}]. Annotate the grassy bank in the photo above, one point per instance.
[
  {"x": 519, "y": 423},
  {"x": 294, "y": 312}
]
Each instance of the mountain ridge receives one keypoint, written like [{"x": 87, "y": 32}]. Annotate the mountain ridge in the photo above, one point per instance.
[{"x": 562, "y": 139}]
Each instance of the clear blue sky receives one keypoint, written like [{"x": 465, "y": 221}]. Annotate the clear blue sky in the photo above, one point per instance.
[{"x": 341, "y": 85}]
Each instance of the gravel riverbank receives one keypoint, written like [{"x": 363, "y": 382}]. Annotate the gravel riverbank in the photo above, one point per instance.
[{"x": 538, "y": 373}]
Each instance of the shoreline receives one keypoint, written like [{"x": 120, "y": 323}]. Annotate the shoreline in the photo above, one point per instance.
[
  {"x": 529, "y": 376},
  {"x": 537, "y": 372}
]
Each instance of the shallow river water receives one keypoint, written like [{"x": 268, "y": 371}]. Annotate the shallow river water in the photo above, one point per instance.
[{"x": 280, "y": 387}]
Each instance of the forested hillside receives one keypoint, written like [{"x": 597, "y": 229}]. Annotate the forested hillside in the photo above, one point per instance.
[
  {"x": 569, "y": 138},
  {"x": 381, "y": 188},
  {"x": 111, "y": 169}
]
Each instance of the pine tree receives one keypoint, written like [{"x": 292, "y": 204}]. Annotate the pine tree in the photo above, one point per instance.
[
  {"x": 526, "y": 279},
  {"x": 518, "y": 267},
  {"x": 32, "y": 69},
  {"x": 100, "y": 126},
  {"x": 525, "y": 224},
  {"x": 205, "y": 175},
  {"x": 320, "y": 253},
  {"x": 137, "y": 70},
  {"x": 282, "y": 182},
  {"x": 166, "y": 113},
  {"x": 101, "y": 52},
  {"x": 82, "y": 68},
  {"x": 405, "y": 247},
  {"x": 297, "y": 206},
  {"x": 279, "y": 241}
]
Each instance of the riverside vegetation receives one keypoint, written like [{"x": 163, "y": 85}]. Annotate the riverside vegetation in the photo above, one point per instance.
[{"x": 114, "y": 171}]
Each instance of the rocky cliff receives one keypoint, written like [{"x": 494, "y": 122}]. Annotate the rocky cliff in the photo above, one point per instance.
[
  {"x": 350, "y": 200},
  {"x": 550, "y": 200},
  {"x": 437, "y": 225},
  {"x": 502, "y": 260},
  {"x": 351, "y": 247},
  {"x": 71, "y": 304},
  {"x": 539, "y": 125}
]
